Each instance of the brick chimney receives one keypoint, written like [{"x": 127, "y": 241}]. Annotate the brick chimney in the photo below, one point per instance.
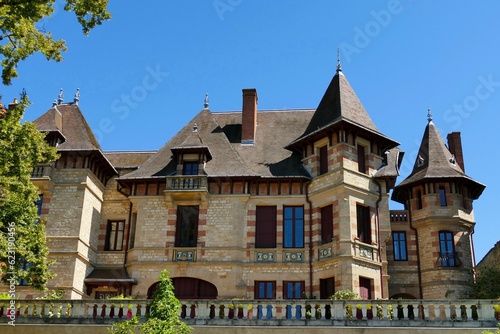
[
  {"x": 455, "y": 146},
  {"x": 249, "y": 116}
]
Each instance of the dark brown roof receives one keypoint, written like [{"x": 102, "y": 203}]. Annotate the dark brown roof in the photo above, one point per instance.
[
  {"x": 221, "y": 133},
  {"x": 109, "y": 275},
  {"x": 68, "y": 121},
  {"x": 72, "y": 125},
  {"x": 128, "y": 159},
  {"x": 340, "y": 105},
  {"x": 394, "y": 158},
  {"x": 435, "y": 161}
]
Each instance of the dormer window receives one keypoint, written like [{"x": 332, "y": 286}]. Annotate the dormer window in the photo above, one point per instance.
[{"x": 190, "y": 168}]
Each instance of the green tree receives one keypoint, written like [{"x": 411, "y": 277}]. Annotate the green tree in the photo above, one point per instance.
[
  {"x": 21, "y": 35},
  {"x": 22, "y": 238},
  {"x": 487, "y": 285},
  {"x": 163, "y": 315}
]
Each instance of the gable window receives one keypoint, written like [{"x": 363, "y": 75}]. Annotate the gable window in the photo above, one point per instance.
[
  {"x": 190, "y": 168},
  {"x": 399, "y": 246},
  {"x": 114, "y": 235},
  {"x": 326, "y": 287},
  {"x": 323, "y": 160},
  {"x": 293, "y": 226},
  {"x": 442, "y": 196},
  {"x": 364, "y": 232},
  {"x": 186, "y": 231},
  {"x": 293, "y": 289},
  {"x": 265, "y": 290},
  {"x": 447, "y": 249},
  {"x": 265, "y": 227},
  {"x": 326, "y": 224},
  {"x": 361, "y": 159}
]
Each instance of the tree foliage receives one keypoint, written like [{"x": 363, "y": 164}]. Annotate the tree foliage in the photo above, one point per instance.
[
  {"x": 22, "y": 238},
  {"x": 487, "y": 285},
  {"x": 163, "y": 315},
  {"x": 21, "y": 36}
]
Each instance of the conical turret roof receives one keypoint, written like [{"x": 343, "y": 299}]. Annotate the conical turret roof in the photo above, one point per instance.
[
  {"x": 340, "y": 105},
  {"x": 435, "y": 161}
]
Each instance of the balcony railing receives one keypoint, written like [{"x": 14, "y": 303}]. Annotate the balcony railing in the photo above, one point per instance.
[
  {"x": 187, "y": 182},
  {"x": 369, "y": 313},
  {"x": 398, "y": 216},
  {"x": 448, "y": 259}
]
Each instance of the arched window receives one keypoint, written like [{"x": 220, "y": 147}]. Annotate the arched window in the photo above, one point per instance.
[{"x": 189, "y": 288}]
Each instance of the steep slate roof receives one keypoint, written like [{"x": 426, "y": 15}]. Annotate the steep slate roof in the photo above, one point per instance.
[
  {"x": 132, "y": 159},
  {"x": 68, "y": 121},
  {"x": 340, "y": 104},
  {"x": 73, "y": 126},
  {"x": 435, "y": 161},
  {"x": 221, "y": 134}
]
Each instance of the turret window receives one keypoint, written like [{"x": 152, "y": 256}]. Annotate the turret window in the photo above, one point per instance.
[
  {"x": 361, "y": 159},
  {"x": 364, "y": 232},
  {"x": 447, "y": 255},
  {"x": 442, "y": 196},
  {"x": 323, "y": 160}
]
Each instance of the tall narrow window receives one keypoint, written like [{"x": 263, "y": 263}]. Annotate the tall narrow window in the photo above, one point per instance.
[
  {"x": 114, "y": 235},
  {"x": 24, "y": 265},
  {"x": 442, "y": 196},
  {"x": 265, "y": 227},
  {"x": 361, "y": 159},
  {"x": 447, "y": 249},
  {"x": 323, "y": 160},
  {"x": 293, "y": 229},
  {"x": 399, "y": 245},
  {"x": 186, "y": 232},
  {"x": 133, "y": 223},
  {"x": 364, "y": 224},
  {"x": 326, "y": 287},
  {"x": 265, "y": 290},
  {"x": 190, "y": 168},
  {"x": 419, "y": 200},
  {"x": 365, "y": 288},
  {"x": 293, "y": 290},
  {"x": 326, "y": 224},
  {"x": 38, "y": 204}
]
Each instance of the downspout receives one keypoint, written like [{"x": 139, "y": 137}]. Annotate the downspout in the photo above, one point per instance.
[
  {"x": 473, "y": 253},
  {"x": 125, "y": 256},
  {"x": 418, "y": 250},
  {"x": 378, "y": 234},
  {"x": 308, "y": 200}
]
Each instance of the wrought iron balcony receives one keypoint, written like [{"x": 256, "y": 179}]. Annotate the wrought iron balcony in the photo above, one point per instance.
[{"x": 448, "y": 259}]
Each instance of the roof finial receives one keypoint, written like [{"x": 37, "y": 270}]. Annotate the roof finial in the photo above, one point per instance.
[
  {"x": 60, "y": 100},
  {"x": 77, "y": 96},
  {"x": 205, "y": 105},
  {"x": 339, "y": 67},
  {"x": 429, "y": 114}
]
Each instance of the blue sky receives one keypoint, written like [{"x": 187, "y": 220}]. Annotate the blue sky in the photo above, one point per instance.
[{"x": 144, "y": 74}]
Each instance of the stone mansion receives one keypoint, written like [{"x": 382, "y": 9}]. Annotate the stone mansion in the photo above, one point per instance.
[{"x": 258, "y": 204}]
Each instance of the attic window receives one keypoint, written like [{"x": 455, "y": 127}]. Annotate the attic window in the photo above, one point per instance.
[
  {"x": 453, "y": 160},
  {"x": 420, "y": 161}
]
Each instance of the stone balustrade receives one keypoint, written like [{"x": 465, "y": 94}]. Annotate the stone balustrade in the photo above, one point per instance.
[{"x": 372, "y": 313}]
